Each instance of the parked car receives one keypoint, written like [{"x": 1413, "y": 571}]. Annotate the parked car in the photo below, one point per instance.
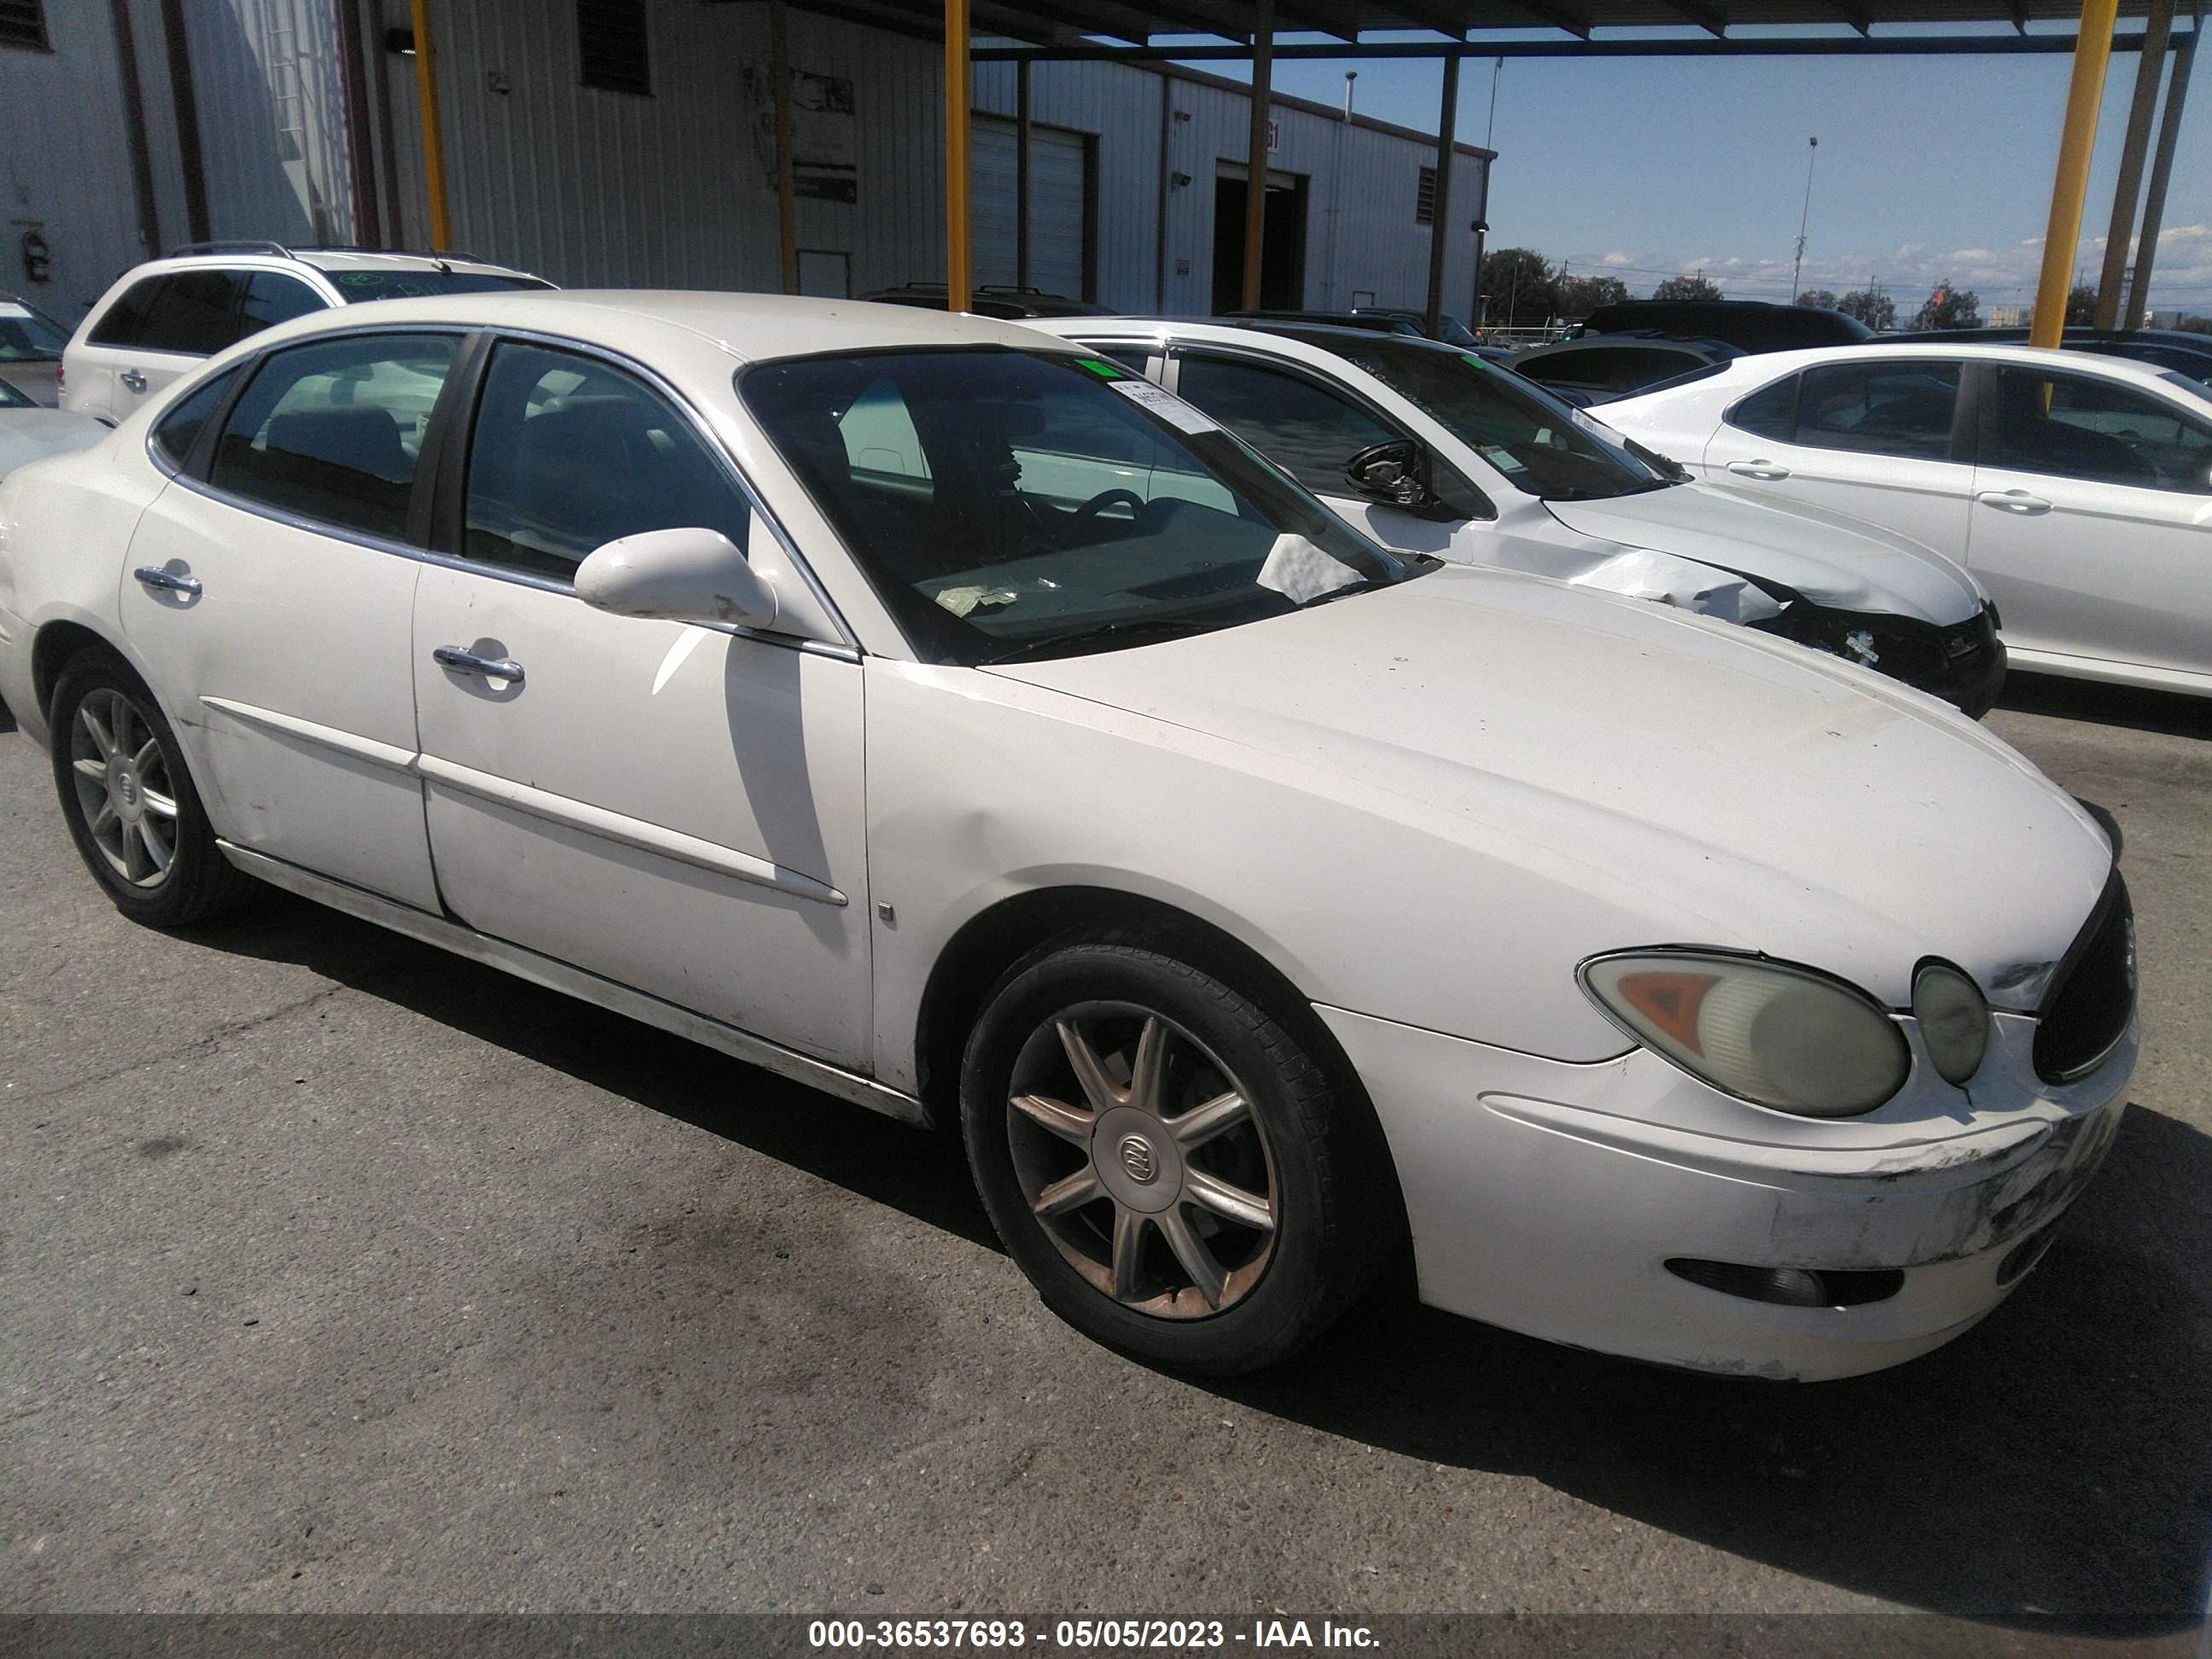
[
  {"x": 1002, "y": 301},
  {"x": 1749, "y": 325},
  {"x": 2077, "y": 488},
  {"x": 2162, "y": 348},
  {"x": 162, "y": 319},
  {"x": 1598, "y": 368},
  {"x": 30, "y": 344},
  {"x": 1429, "y": 449},
  {"x": 30, "y": 432},
  {"x": 938, "y": 714},
  {"x": 1449, "y": 329}
]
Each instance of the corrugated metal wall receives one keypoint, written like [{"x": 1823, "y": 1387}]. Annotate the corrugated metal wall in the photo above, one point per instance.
[
  {"x": 63, "y": 168},
  {"x": 599, "y": 188}
]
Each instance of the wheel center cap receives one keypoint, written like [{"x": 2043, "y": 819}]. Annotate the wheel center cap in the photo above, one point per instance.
[
  {"x": 1136, "y": 1160},
  {"x": 125, "y": 793}
]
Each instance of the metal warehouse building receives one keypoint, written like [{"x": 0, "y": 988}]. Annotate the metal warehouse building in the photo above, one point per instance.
[{"x": 633, "y": 142}]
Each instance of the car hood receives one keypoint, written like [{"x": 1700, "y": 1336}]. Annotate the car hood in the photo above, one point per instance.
[
  {"x": 32, "y": 435},
  {"x": 1831, "y": 560},
  {"x": 1654, "y": 777}
]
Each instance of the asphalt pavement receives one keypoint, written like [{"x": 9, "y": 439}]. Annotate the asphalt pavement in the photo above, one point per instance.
[{"x": 338, "y": 1274}]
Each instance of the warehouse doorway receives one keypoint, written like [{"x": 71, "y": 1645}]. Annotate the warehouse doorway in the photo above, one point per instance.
[
  {"x": 1063, "y": 208},
  {"x": 1282, "y": 240}
]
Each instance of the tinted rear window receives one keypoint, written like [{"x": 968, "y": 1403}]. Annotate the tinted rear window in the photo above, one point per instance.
[
  {"x": 195, "y": 314},
  {"x": 120, "y": 325}
]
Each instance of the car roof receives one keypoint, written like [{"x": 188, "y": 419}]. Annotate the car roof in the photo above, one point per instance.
[
  {"x": 1773, "y": 365},
  {"x": 276, "y": 256},
  {"x": 747, "y": 327}
]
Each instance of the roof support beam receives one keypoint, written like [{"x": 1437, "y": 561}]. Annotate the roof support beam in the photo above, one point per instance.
[
  {"x": 1856, "y": 16},
  {"x": 1735, "y": 45},
  {"x": 1713, "y": 23},
  {"x": 959, "y": 99},
  {"x": 1440, "y": 215},
  {"x": 2127, "y": 190},
  {"x": 2161, "y": 169}
]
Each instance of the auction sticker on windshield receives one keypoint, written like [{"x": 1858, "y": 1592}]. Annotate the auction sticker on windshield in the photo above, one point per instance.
[{"x": 1170, "y": 407}]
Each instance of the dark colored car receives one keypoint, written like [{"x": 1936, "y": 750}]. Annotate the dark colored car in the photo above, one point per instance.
[
  {"x": 1383, "y": 319},
  {"x": 2164, "y": 348},
  {"x": 31, "y": 345},
  {"x": 1000, "y": 300},
  {"x": 1749, "y": 325},
  {"x": 1597, "y": 368}
]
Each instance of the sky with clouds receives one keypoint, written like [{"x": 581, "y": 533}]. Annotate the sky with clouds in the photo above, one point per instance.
[{"x": 1927, "y": 168}]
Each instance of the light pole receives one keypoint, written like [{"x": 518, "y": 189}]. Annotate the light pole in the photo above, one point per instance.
[{"x": 1812, "y": 153}]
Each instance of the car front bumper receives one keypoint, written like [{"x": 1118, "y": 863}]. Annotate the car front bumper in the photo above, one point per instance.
[
  {"x": 1550, "y": 1197},
  {"x": 1963, "y": 663}
]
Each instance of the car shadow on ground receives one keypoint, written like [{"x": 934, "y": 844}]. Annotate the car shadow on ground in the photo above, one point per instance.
[
  {"x": 2051, "y": 1467},
  {"x": 2175, "y": 713}
]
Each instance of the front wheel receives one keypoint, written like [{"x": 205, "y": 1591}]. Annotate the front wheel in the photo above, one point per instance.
[
  {"x": 1175, "y": 1172},
  {"x": 129, "y": 803}
]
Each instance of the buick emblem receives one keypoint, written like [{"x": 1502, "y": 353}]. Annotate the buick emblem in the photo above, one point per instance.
[{"x": 1137, "y": 1159}]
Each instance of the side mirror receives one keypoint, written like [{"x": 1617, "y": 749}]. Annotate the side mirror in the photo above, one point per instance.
[
  {"x": 1388, "y": 472},
  {"x": 693, "y": 574}
]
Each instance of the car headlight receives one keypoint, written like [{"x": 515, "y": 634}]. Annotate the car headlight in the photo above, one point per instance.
[
  {"x": 1954, "y": 1020},
  {"x": 1775, "y": 1035}
]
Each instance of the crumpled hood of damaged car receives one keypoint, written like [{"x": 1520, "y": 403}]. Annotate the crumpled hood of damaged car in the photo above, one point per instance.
[
  {"x": 1831, "y": 560},
  {"x": 1499, "y": 744}
]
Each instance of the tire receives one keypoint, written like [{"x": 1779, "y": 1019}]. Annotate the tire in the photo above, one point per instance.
[
  {"x": 129, "y": 799},
  {"x": 1101, "y": 1191}
]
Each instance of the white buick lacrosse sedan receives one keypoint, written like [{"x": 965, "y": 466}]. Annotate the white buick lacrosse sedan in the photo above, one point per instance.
[{"x": 953, "y": 720}]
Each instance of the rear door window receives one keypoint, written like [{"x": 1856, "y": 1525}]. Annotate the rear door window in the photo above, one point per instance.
[
  {"x": 1903, "y": 410},
  {"x": 1769, "y": 413},
  {"x": 333, "y": 430},
  {"x": 271, "y": 298}
]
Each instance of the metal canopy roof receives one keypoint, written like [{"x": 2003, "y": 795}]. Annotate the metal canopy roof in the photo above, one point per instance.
[{"x": 1127, "y": 29}]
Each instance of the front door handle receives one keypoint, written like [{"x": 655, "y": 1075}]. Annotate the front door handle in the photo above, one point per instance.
[
  {"x": 467, "y": 662},
  {"x": 133, "y": 379},
  {"x": 2014, "y": 501},
  {"x": 1757, "y": 469},
  {"x": 168, "y": 580}
]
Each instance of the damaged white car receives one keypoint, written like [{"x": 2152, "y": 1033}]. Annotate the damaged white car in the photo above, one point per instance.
[
  {"x": 1257, "y": 901},
  {"x": 1434, "y": 450}
]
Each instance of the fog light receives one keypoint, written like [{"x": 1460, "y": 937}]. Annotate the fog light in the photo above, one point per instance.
[
  {"x": 1954, "y": 1021},
  {"x": 1790, "y": 1287}
]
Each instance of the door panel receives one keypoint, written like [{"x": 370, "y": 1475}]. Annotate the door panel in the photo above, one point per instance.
[
  {"x": 288, "y": 676},
  {"x": 677, "y": 808},
  {"x": 2093, "y": 521},
  {"x": 280, "y": 645}
]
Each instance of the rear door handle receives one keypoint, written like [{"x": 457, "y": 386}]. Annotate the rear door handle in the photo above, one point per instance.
[
  {"x": 1757, "y": 469},
  {"x": 133, "y": 379},
  {"x": 168, "y": 580},
  {"x": 467, "y": 662},
  {"x": 2014, "y": 501}
]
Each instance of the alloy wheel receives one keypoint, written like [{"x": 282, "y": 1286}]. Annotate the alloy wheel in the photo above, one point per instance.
[
  {"x": 1139, "y": 1155},
  {"x": 124, "y": 788}
]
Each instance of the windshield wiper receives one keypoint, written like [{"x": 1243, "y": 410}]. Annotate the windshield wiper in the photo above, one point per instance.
[{"x": 1126, "y": 630}]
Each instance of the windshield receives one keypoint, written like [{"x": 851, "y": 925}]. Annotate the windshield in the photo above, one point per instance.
[
  {"x": 1537, "y": 443},
  {"x": 1014, "y": 504},
  {"x": 28, "y": 335},
  {"x": 359, "y": 286}
]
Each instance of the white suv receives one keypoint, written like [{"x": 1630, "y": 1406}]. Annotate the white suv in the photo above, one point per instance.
[{"x": 162, "y": 319}]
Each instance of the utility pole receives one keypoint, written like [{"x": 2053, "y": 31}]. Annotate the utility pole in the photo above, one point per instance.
[{"x": 1812, "y": 152}]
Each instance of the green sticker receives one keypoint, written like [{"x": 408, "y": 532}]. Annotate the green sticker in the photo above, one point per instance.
[
  {"x": 1469, "y": 357},
  {"x": 1104, "y": 371}
]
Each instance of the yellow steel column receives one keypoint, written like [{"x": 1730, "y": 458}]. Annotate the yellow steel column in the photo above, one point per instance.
[
  {"x": 434, "y": 146},
  {"x": 2093, "y": 50},
  {"x": 959, "y": 270}
]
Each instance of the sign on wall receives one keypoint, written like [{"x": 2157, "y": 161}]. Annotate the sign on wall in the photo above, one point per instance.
[{"x": 823, "y": 162}]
